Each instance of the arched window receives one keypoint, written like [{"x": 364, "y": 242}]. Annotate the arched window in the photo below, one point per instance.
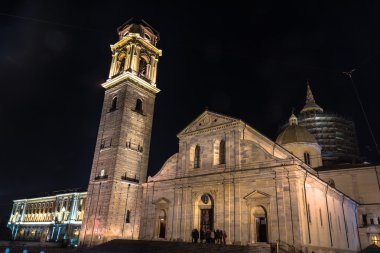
[
  {"x": 142, "y": 67},
  {"x": 139, "y": 107},
  {"x": 113, "y": 104},
  {"x": 120, "y": 64},
  {"x": 222, "y": 152},
  {"x": 197, "y": 157},
  {"x": 306, "y": 157}
]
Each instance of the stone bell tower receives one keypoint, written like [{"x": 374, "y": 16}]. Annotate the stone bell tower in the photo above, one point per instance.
[{"x": 122, "y": 149}]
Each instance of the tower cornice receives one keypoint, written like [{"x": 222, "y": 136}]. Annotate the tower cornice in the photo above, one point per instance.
[
  {"x": 135, "y": 37},
  {"x": 135, "y": 79}
]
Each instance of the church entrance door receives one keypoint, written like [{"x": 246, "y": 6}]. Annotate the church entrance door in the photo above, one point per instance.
[
  {"x": 162, "y": 229},
  {"x": 207, "y": 219},
  {"x": 203, "y": 214},
  {"x": 162, "y": 225},
  {"x": 259, "y": 226}
]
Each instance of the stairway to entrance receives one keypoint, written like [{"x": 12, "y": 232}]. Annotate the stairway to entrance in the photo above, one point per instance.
[{"x": 142, "y": 246}]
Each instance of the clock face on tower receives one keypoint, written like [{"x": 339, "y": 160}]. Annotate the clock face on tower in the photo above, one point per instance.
[{"x": 204, "y": 198}]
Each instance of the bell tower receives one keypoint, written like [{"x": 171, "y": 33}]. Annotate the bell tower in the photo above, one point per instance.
[{"x": 122, "y": 148}]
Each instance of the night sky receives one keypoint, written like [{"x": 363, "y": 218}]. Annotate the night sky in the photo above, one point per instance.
[{"x": 247, "y": 61}]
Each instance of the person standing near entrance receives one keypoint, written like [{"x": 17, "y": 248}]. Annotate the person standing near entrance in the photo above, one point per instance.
[
  {"x": 212, "y": 236},
  {"x": 224, "y": 236},
  {"x": 196, "y": 235},
  {"x": 218, "y": 236},
  {"x": 193, "y": 235},
  {"x": 202, "y": 235}
]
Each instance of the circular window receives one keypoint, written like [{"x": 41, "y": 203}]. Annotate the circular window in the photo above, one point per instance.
[{"x": 205, "y": 198}]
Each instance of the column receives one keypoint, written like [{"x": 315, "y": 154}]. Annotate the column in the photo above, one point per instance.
[
  {"x": 23, "y": 206},
  {"x": 113, "y": 63},
  {"x": 150, "y": 67},
  {"x": 128, "y": 57},
  {"x": 135, "y": 59},
  {"x": 74, "y": 208},
  {"x": 154, "y": 70}
]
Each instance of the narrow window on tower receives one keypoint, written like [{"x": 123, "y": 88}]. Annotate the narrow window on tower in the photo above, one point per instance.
[
  {"x": 364, "y": 216},
  {"x": 308, "y": 213},
  {"x": 197, "y": 157},
  {"x": 139, "y": 107},
  {"x": 306, "y": 157},
  {"x": 320, "y": 217},
  {"x": 113, "y": 104},
  {"x": 222, "y": 152},
  {"x": 142, "y": 67},
  {"x": 128, "y": 216}
]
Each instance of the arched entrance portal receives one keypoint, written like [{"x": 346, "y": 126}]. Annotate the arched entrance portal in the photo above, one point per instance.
[
  {"x": 204, "y": 212},
  {"x": 162, "y": 228},
  {"x": 259, "y": 224}
]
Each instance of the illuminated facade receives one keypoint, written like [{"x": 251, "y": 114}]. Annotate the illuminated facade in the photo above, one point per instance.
[
  {"x": 362, "y": 183},
  {"x": 119, "y": 169},
  {"x": 48, "y": 219},
  {"x": 226, "y": 175}
]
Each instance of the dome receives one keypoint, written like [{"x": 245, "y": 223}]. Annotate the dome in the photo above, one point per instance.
[{"x": 295, "y": 133}]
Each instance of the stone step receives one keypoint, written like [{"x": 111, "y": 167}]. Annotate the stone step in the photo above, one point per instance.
[{"x": 140, "y": 246}]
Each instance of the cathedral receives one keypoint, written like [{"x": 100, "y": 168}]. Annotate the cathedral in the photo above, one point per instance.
[{"x": 226, "y": 175}]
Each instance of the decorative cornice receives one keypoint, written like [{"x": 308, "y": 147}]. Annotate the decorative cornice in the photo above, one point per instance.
[
  {"x": 134, "y": 79},
  {"x": 210, "y": 129},
  {"x": 136, "y": 37},
  {"x": 208, "y": 121}
]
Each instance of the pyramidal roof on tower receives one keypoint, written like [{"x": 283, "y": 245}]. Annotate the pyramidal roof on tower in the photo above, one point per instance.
[{"x": 310, "y": 105}]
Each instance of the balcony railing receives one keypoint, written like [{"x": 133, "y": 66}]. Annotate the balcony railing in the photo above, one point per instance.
[
  {"x": 101, "y": 177},
  {"x": 130, "y": 179}
]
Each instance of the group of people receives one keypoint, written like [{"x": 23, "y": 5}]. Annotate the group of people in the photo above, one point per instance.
[{"x": 211, "y": 236}]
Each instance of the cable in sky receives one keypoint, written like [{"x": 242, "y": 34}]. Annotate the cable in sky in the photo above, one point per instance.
[
  {"x": 349, "y": 75},
  {"x": 49, "y": 22}
]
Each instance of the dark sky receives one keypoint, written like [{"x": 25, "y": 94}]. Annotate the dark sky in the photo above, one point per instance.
[{"x": 248, "y": 61}]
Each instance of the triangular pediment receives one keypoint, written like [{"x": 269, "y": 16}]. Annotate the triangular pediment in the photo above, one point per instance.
[
  {"x": 162, "y": 201},
  {"x": 256, "y": 195},
  {"x": 207, "y": 120}
]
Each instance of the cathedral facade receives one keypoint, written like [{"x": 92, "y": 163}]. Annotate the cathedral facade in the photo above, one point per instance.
[
  {"x": 225, "y": 176},
  {"x": 228, "y": 176}
]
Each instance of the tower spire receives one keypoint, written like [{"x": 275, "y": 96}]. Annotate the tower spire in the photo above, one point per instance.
[
  {"x": 309, "y": 94},
  {"x": 310, "y": 104}
]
